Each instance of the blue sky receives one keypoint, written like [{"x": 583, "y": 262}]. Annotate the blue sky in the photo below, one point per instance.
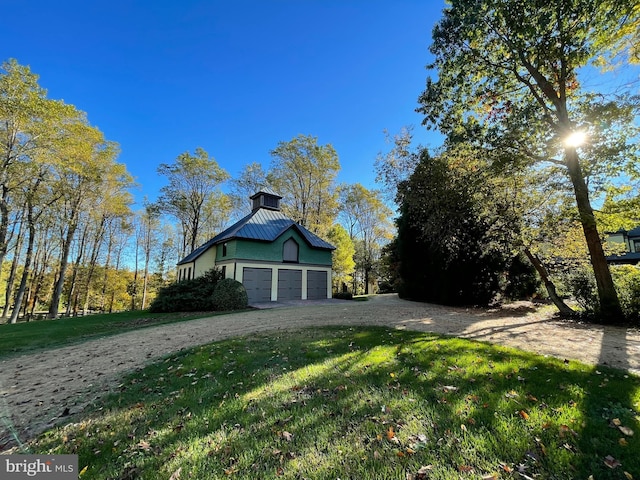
[{"x": 233, "y": 77}]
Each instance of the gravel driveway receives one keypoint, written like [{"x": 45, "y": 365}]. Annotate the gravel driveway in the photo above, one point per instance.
[{"x": 41, "y": 389}]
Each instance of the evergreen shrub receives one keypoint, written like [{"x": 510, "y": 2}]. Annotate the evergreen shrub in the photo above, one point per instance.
[
  {"x": 195, "y": 295},
  {"x": 229, "y": 294}
]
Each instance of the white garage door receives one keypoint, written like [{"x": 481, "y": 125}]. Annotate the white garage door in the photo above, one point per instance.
[
  {"x": 316, "y": 284},
  {"x": 289, "y": 284},
  {"x": 257, "y": 282}
]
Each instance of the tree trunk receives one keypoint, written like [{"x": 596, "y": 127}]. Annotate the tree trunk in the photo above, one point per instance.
[
  {"x": 610, "y": 309},
  {"x": 562, "y": 307},
  {"x": 4, "y": 222},
  {"x": 105, "y": 280},
  {"x": 64, "y": 262},
  {"x": 93, "y": 260},
  {"x": 12, "y": 274},
  {"x": 27, "y": 265}
]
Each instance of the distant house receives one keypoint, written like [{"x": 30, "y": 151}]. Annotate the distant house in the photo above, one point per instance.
[
  {"x": 271, "y": 255},
  {"x": 629, "y": 243}
]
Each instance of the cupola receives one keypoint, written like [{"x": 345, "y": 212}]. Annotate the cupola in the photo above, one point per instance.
[{"x": 265, "y": 198}]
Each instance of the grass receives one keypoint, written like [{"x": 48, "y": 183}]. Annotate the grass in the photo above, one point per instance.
[
  {"x": 359, "y": 403},
  {"x": 42, "y": 334}
]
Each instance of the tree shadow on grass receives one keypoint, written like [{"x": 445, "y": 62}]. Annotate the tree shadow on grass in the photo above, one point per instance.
[{"x": 328, "y": 402}]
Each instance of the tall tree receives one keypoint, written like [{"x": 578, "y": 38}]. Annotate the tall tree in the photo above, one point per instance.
[
  {"x": 193, "y": 180},
  {"x": 252, "y": 178},
  {"x": 27, "y": 124},
  {"x": 304, "y": 173},
  {"x": 368, "y": 222},
  {"x": 85, "y": 163},
  {"x": 148, "y": 224},
  {"x": 342, "y": 258},
  {"x": 501, "y": 59}
]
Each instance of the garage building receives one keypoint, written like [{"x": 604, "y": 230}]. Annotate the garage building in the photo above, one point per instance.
[{"x": 274, "y": 257}]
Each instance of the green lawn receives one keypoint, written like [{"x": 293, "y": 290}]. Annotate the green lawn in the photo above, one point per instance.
[
  {"x": 42, "y": 334},
  {"x": 359, "y": 403}
]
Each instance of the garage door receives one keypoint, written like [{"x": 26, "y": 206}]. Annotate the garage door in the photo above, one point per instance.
[
  {"x": 289, "y": 284},
  {"x": 257, "y": 282},
  {"x": 316, "y": 284}
]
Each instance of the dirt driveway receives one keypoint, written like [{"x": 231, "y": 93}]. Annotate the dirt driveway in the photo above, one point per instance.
[{"x": 42, "y": 389}]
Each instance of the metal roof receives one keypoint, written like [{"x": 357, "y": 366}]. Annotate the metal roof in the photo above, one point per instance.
[{"x": 263, "y": 225}]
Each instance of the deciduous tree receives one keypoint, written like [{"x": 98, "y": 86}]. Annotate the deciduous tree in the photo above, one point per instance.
[
  {"x": 501, "y": 60},
  {"x": 194, "y": 182},
  {"x": 304, "y": 173}
]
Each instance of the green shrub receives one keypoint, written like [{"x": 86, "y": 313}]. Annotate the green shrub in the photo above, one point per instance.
[
  {"x": 230, "y": 294},
  {"x": 194, "y": 295},
  {"x": 627, "y": 281},
  {"x": 581, "y": 285}
]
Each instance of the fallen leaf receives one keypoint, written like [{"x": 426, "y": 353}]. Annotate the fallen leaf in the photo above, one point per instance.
[
  {"x": 423, "y": 472},
  {"x": 524, "y": 414},
  {"x": 83, "y": 471},
  {"x": 626, "y": 430},
  {"x": 490, "y": 476},
  {"x": 628, "y": 475},
  {"x": 176, "y": 475},
  {"x": 287, "y": 436},
  {"x": 390, "y": 433},
  {"x": 511, "y": 394},
  {"x": 565, "y": 430},
  {"x": 611, "y": 462},
  {"x": 506, "y": 468},
  {"x": 465, "y": 469},
  {"x": 450, "y": 388},
  {"x": 623, "y": 442},
  {"x": 400, "y": 454},
  {"x": 616, "y": 422},
  {"x": 144, "y": 445}
]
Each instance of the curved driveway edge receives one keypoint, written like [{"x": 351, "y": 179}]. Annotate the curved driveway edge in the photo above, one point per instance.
[{"x": 39, "y": 390}]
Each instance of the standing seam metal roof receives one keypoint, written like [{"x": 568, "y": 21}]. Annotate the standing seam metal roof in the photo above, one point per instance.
[{"x": 263, "y": 225}]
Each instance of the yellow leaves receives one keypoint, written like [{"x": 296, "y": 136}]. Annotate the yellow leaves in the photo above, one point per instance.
[{"x": 83, "y": 471}]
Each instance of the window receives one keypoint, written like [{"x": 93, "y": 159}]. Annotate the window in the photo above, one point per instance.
[
  {"x": 189, "y": 273},
  {"x": 224, "y": 249},
  {"x": 636, "y": 246},
  {"x": 290, "y": 251},
  {"x": 224, "y": 271}
]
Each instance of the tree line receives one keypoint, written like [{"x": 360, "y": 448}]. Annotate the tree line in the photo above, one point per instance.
[
  {"x": 70, "y": 241},
  {"x": 537, "y": 165}
]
